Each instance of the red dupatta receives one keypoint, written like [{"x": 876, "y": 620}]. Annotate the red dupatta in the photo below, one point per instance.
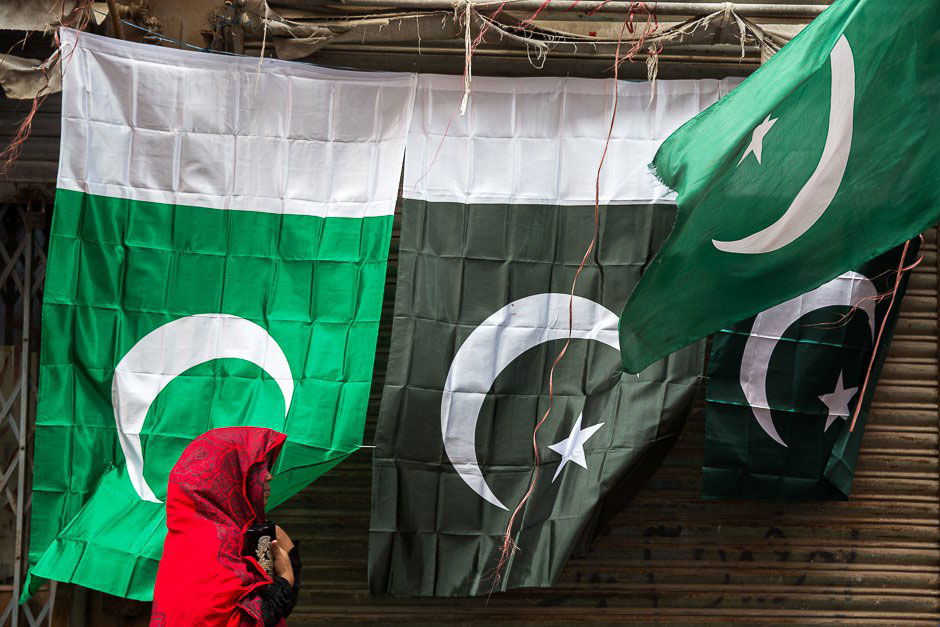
[{"x": 215, "y": 493}]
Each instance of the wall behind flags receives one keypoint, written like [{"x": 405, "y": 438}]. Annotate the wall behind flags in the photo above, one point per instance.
[{"x": 669, "y": 556}]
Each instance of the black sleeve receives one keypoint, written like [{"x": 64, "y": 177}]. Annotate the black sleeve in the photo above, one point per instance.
[
  {"x": 278, "y": 598},
  {"x": 294, "y": 556}
]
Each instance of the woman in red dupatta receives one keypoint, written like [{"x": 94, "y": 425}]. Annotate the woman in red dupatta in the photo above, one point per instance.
[{"x": 216, "y": 491}]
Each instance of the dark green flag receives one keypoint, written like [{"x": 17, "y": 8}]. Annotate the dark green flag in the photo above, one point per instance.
[
  {"x": 784, "y": 384},
  {"x": 496, "y": 219}
]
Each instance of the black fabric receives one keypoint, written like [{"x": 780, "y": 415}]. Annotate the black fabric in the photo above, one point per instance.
[{"x": 278, "y": 599}]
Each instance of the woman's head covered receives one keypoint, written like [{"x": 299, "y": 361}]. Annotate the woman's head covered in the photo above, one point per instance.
[
  {"x": 216, "y": 491},
  {"x": 226, "y": 470}
]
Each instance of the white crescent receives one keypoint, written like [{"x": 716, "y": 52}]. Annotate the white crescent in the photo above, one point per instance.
[
  {"x": 168, "y": 351},
  {"x": 851, "y": 289},
  {"x": 817, "y": 194},
  {"x": 493, "y": 345}
]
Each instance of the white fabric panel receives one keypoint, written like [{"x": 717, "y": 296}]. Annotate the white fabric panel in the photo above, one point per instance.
[
  {"x": 540, "y": 140},
  {"x": 149, "y": 123}
]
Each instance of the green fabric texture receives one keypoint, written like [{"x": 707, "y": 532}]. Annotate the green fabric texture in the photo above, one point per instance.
[
  {"x": 431, "y": 533},
  {"x": 821, "y": 352},
  {"x": 118, "y": 269},
  {"x": 887, "y": 192}
]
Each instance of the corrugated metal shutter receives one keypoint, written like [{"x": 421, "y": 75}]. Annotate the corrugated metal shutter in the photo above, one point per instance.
[
  {"x": 34, "y": 171},
  {"x": 670, "y": 556}
]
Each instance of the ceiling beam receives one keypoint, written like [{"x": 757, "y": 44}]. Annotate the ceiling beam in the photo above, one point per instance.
[{"x": 778, "y": 10}]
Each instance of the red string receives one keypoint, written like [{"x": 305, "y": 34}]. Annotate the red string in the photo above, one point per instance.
[
  {"x": 651, "y": 26},
  {"x": 486, "y": 26},
  {"x": 884, "y": 322},
  {"x": 509, "y": 545},
  {"x": 532, "y": 17},
  {"x": 78, "y": 19},
  {"x": 843, "y": 319},
  {"x": 466, "y": 69},
  {"x": 598, "y": 8},
  {"x": 440, "y": 145}
]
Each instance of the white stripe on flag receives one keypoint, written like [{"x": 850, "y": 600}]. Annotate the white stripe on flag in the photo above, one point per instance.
[
  {"x": 539, "y": 140},
  {"x": 149, "y": 123}
]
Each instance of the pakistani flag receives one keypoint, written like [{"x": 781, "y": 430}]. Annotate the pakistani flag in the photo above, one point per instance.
[
  {"x": 497, "y": 215},
  {"x": 217, "y": 258},
  {"x": 783, "y": 386},
  {"x": 823, "y": 159}
]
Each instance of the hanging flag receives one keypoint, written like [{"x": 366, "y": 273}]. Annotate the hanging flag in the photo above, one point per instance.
[
  {"x": 498, "y": 212},
  {"x": 783, "y": 386},
  {"x": 217, "y": 258},
  {"x": 824, "y": 158}
]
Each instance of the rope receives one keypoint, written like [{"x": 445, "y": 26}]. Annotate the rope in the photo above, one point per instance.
[{"x": 468, "y": 55}]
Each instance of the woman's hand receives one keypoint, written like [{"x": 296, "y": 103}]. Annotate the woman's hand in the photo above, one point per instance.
[
  {"x": 283, "y": 539},
  {"x": 282, "y": 567},
  {"x": 280, "y": 548}
]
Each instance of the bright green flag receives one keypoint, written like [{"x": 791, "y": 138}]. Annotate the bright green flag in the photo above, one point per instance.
[
  {"x": 217, "y": 258},
  {"x": 823, "y": 159}
]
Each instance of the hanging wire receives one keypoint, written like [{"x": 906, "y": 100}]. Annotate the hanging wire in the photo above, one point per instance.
[{"x": 163, "y": 37}]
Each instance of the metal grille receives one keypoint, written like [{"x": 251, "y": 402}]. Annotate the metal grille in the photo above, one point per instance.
[{"x": 23, "y": 244}]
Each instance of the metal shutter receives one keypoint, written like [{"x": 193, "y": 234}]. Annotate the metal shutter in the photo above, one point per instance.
[{"x": 670, "y": 556}]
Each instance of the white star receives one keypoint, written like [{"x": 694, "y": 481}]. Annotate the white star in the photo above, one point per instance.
[
  {"x": 571, "y": 449},
  {"x": 757, "y": 139},
  {"x": 838, "y": 402}
]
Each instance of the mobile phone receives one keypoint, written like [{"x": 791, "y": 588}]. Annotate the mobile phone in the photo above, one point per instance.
[{"x": 258, "y": 540}]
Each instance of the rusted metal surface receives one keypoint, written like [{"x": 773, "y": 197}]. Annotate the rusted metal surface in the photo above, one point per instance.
[
  {"x": 712, "y": 38},
  {"x": 802, "y": 10},
  {"x": 776, "y": 10}
]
